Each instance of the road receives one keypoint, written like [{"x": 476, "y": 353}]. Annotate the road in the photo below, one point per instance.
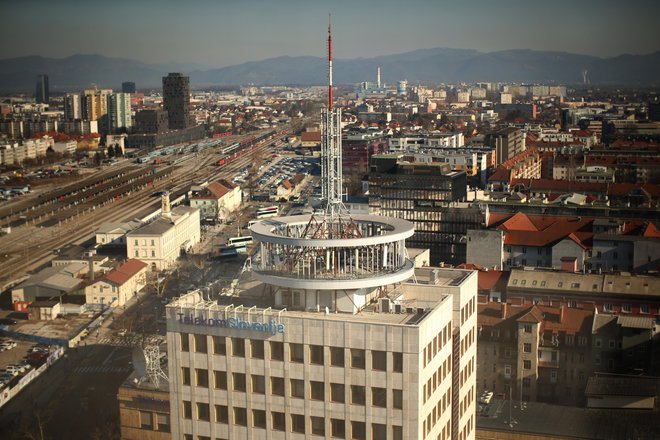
[{"x": 76, "y": 398}]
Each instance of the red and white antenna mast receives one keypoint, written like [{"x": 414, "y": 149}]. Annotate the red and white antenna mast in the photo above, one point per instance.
[{"x": 329, "y": 62}]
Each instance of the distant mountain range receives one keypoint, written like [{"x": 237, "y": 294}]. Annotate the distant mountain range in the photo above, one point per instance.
[{"x": 419, "y": 66}]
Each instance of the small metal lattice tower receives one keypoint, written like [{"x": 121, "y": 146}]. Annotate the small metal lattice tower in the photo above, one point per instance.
[{"x": 152, "y": 358}]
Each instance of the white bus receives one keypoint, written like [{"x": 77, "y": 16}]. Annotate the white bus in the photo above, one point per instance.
[
  {"x": 270, "y": 211},
  {"x": 241, "y": 240}
]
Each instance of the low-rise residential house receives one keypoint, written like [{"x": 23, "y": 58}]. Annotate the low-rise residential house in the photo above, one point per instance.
[
  {"x": 116, "y": 287},
  {"x": 217, "y": 200},
  {"x": 530, "y": 352}
]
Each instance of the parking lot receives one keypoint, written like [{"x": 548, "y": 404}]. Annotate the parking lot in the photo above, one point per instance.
[{"x": 17, "y": 358}]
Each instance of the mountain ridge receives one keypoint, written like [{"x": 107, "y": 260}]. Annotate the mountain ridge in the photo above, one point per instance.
[{"x": 430, "y": 65}]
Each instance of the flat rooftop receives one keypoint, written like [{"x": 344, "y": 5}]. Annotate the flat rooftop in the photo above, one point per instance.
[
  {"x": 568, "y": 421},
  {"x": 416, "y": 299}
]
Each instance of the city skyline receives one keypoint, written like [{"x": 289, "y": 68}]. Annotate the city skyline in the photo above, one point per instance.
[{"x": 210, "y": 34}]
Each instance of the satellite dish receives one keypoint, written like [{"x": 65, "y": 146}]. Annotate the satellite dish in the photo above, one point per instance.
[{"x": 139, "y": 363}]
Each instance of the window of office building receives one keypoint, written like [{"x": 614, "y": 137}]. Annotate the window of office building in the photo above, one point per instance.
[
  {"x": 185, "y": 376},
  {"x": 357, "y": 358},
  {"x": 259, "y": 418},
  {"x": 528, "y": 328},
  {"x": 316, "y": 354},
  {"x": 357, "y": 395},
  {"x": 397, "y": 433},
  {"x": 527, "y": 347},
  {"x": 203, "y": 412},
  {"x": 297, "y": 388},
  {"x": 239, "y": 381},
  {"x": 337, "y": 393},
  {"x": 378, "y": 431},
  {"x": 379, "y": 360},
  {"x": 298, "y": 423},
  {"x": 318, "y": 425},
  {"x": 397, "y": 362},
  {"x": 220, "y": 380},
  {"x": 163, "y": 422},
  {"x": 379, "y": 397},
  {"x": 317, "y": 390},
  {"x": 185, "y": 343},
  {"x": 358, "y": 430},
  {"x": 240, "y": 416},
  {"x": 221, "y": 414},
  {"x": 297, "y": 353},
  {"x": 278, "y": 421},
  {"x": 187, "y": 409},
  {"x": 219, "y": 345},
  {"x": 527, "y": 364},
  {"x": 238, "y": 347},
  {"x": 337, "y": 356},
  {"x": 277, "y": 386},
  {"x": 397, "y": 399},
  {"x": 258, "y": 384},
  {"x": 338, "y": 428},
  {"x": 146, "y": 420},
  {"x": 257, "y": 349},
  {"x": 201, "y": 378},
  {"x": 200, "y": 343},
  {"x": 277, "y": 351}
]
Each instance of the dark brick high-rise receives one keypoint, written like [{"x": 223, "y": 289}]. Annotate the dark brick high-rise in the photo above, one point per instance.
[
  {"x": 42, "y": 94},
  {"x": 128, "y": 87},
  {"x": 176, "y": 100}
]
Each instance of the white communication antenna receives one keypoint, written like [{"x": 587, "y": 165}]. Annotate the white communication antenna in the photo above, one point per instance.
[{"x": 152, "y": 358}]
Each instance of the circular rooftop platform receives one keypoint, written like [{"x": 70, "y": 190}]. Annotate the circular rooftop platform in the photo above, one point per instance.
[{"x": 346, "y": 252}]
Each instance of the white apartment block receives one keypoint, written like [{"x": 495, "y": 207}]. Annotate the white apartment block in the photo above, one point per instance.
[
  {"x": 402, "y": 367},
  {"x": 162, "y": 241},
  {"x": 434, "y": 140}
]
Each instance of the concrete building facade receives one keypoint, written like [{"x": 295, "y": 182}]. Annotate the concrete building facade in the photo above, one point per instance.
[{"x": 405, "y": 372}]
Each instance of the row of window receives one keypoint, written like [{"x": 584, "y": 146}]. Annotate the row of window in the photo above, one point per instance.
[
  {"x": 316, "y": 354},
  {"x": 296, "y": 422},
  {"x": 239, "y": 382},
  {"x": 434, "y": 381},
  {"x": 435, "y": 345},
  {"x": 434, "y": 416}
]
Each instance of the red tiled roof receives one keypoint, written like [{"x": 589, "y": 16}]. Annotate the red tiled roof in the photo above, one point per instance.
[
  {"x": 489, "y": 280},
  {"x": 125, "y": 272},
  {"x": 527, "y": 230},
  {"x": 311, "y": 136},
  {"x": 652, "y": 231},
  {"x": 533, "y": 315},
  {"x": 501, "y": 174}
]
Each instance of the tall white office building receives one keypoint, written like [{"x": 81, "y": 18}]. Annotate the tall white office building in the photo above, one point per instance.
[
  {"x": 330, "y": 339},
  {"x": 402, "y": 367}
]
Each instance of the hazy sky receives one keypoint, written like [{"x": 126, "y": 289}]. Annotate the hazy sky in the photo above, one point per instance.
[{"x": 225, "y": 32}]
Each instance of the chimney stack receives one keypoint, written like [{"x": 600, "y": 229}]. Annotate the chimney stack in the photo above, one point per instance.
[
  {"x": 165, "y": 208},
  {"x": 378, "y": 77},
  {"x": 569, "y": 264}
]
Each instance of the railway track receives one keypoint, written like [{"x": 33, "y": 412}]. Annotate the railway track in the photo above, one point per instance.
[{"x": 30, "y": 246}]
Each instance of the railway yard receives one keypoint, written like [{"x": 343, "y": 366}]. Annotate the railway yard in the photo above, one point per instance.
[{"x": 44, "y": 222}]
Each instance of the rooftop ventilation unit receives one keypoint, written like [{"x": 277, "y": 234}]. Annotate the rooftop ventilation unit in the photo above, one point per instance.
[{"x": 384, "y": 305}]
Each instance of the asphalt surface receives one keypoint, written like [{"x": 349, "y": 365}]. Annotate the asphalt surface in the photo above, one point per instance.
[{"x": 76, "y": 398}]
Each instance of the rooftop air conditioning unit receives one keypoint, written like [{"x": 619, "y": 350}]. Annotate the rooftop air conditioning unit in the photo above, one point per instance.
[
  {"x": 384, "y": 305},
  {"x": 410, "y": 310},
  {"x": 398, "y": 308}
]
